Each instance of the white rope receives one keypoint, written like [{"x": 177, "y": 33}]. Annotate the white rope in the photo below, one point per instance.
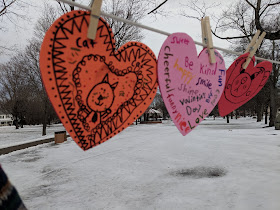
[{"x": 72, "y": 3}]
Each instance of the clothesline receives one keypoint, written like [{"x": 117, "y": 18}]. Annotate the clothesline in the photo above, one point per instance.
[{"x": 72, "y": 3}]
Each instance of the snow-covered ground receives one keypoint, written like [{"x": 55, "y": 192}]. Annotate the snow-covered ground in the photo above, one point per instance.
[
  {"x": 216, "y": 166},
  {"x": 10, "y": 136}
]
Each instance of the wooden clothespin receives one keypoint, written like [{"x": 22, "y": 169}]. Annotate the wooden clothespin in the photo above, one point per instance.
[
  {"x": 252, "y": 47},
  {"x": 94, "y": 18},
  {"x": 207, "y": 38}
]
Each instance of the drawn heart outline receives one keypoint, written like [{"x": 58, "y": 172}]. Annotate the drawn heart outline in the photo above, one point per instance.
[
  {"x": 189, "y": 84},
  {"x": 243, "y": 84},
  {"x": 95, "y": 90}
]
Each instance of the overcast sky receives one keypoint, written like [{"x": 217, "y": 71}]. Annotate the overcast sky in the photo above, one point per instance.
[{"x": 17, "y": 33}]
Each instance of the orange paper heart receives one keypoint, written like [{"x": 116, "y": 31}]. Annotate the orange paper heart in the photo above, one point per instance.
[{"x": 96, "y": 91}]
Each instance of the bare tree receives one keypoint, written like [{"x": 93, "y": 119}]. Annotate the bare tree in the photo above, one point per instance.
[
  {"x": 10, "y": 12},
  {"x": 134, "y": 10},
  {"x": 197, "y": 10},
  {"x": 32, "y": 69},
  {"x": 21, "y": 84},
  {"x": 128, "y": 9},
  {"x": 14, "y": 89},
  {"x": 244, "y": 18},
  {"x": 21, "y": 90},
  {"x": 273, "y": 81},
  {"x": 49, "y": 15},
  {"x": 65, "y": 7},
  {"x": 247, "y": 17},
  {"x": 5, "y": 6},
  {"x": 157, "y": 7}
]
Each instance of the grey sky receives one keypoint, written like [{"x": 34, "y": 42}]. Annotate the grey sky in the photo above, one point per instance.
[{"x": 17, "y": 34}]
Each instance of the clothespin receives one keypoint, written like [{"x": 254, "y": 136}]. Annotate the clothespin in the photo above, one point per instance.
[
  {"x": 252, "y": 47},
  {"x": 207, "y": 38},
  {"x": 94, "y": 18}
]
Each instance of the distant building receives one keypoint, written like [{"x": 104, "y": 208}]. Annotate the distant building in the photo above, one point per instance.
[
  {"x": 152, "y": 115},
  {"x": 6, "y": 119}
]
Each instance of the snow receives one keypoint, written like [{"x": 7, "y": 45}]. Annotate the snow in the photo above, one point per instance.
[
  {"x": 10, "y": 136},
  {"x": 154, "y": 167}
]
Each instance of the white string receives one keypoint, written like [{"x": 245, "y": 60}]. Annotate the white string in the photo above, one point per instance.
[{"x": 72, "y": 3}]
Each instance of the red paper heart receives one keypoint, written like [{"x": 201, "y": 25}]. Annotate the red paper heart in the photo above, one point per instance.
[
  {"x": 242, "y": 85},
  {"x": 96, "y": 91}
]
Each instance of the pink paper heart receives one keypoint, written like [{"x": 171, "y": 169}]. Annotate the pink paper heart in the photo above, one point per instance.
[{"x": 190, "y": 85}]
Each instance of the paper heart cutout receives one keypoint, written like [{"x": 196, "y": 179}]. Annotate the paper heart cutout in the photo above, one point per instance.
[
  {"x": 242, "y": 85},
  {"x": 96, "y": 91},
  {"x": 190, "y": 85}
]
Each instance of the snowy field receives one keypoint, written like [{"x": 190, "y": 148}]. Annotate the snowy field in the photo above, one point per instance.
[
  {"x": 217, "y": 166},
  {"x": 10, "y": 136}
]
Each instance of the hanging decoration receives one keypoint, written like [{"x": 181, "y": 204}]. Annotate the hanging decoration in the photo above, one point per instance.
[
  {"x": 244, "y": 80},
  {"x": 243, "y": 84},
  {"x": 96, "y": 91},
  {"x": 190, "y": 86}
]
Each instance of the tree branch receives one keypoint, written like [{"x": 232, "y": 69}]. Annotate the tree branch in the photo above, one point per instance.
[
  {"x": 276, "y": 3},
  {"x": 189, "y": 16},
  {"x": 157, "y": 7},
  {"x": 269, "y": 35},
  {"x": 4, "y": 10},
  {"x": 233, "y": 37},
  {"x": 250, "y": 4}
]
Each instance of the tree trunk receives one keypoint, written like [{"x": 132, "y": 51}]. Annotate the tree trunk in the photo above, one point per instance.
[
  {"x": 21, "y": 120},
  {"x": 16, "y": 122},
  {"x": 252, "y": 112},
  {"x": 266, "y": 114},
  {"x": 44, "y": 131},
  {"x": 259, "y": 112},
  {"x": 273, "y": 109},
  {"x": 145, "y": 117},
  {"x": 273, "y": 79},
  {"x": 15, "y": 113}
]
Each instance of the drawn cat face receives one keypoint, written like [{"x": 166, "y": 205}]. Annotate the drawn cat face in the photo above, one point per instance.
[
  {"x": 101, "y": 96},
  {"x": 241, "y": 85}
]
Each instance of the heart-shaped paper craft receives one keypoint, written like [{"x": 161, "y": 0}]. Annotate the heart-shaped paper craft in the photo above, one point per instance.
[
  {"x": 96, "y": 91},
  {"x": 243, "y": 84},
  {"x": 190, "y": 85}
]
